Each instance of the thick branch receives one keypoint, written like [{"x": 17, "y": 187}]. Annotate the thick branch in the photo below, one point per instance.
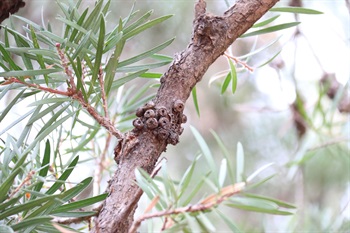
[{"x": 211, "y": 36}]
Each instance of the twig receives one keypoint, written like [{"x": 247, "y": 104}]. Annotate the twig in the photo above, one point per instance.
[
  {"x": 25, "y": 181},
  {"x": 245, "y": 65},
  {"x": 206, "y": 204},
  {"x": 104, "y": 121},
  {"x": 64, "y": 61},
  {"x": 74, "y": 220},
  {"x": 36, "y": 86}
]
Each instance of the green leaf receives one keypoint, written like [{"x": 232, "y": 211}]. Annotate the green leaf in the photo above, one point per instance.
[
  {"x": 270, "y": 29},
  {"x": 112, "y": 66},
  {"x": 75, "y": 214},
  {"x": 10, "y": 105},
  {"x": 186, "y": 178},
  {"x": 44, "y": 165},
  {"x": 226, "y": 83},
  {"x": 39, "y": 57},
  {"x": 227, "y": 155},
  {"x": 265, "y": 22},
  {"x": 19, "y": 73},
  {"x": 151, "y": 75},
  {"x": 278, "y": 202},
  {"x": 81, "y": 144},
  {"x": 121, "y": 81},
  {"x": 228, "y": 222},
  {"x": 161, "y": 57},
  {"x": 71, "y": 193},
  {"x": 24, "y": 224},
  {"x": 145, "y": 26},
  {"x": 52, "y": 124},
  {"x": 26, "y": 206},
  {"x": 46, "y": 111},
  {"x": 10, "y": 202},
  {"x": 79, "y": 22},
  {"x": 296, "y": 10},
  {"x": 142, "y": 67},
  {"x": 146, "y": 54},
  {"x": 63, "y": 177},
  {"x": 138, "y": 22},
  {"x": 252, "y": 176},
  {"x": 49, "y": 101},
  {"x": 83, "y": 45},
  {"x": 195, "y": 100},
  {"x": 80, "y": 204},
  {"x": 113, "y": 41},
  {"x": 92, "y": 19},
  {"x": 8, "y": 59},
  {"x": 256, "y": 205},
  {"x": 270, "y": 60},
  {"x": 207, "y": 154},
  {"x": 99, "y": 51},
  {"x": 7, "y": 184}
]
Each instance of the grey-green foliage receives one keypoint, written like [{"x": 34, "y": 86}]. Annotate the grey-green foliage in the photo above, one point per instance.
[
  {"x": 190, "y": 191},
  {"x": 28, "y": 200},
  {"x": 88, "y": 44}
]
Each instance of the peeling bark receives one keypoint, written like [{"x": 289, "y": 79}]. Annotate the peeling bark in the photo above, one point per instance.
[{"x": 211, "y": 36}]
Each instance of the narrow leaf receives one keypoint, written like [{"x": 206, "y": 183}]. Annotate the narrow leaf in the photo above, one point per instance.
[
  {"x": 80, "y": 204},
  {"x": 195, "y": 100},
  {"x": 99, "y": 50},
  {"x": 24, "y": 224},
  {"x": 265, "y": 22},
  {"x": 270, "y": 29},
  {"x": 296, "y": 10},
  {"x": 226, "y": 83},
  {"x": 63, "y": 177}
]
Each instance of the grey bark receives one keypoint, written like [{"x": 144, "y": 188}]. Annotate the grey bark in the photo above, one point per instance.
[{"x": 211, "y": 36}]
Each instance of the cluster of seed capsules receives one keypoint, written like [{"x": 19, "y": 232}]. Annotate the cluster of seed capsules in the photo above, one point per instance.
[{"x": 163, "y": 124}]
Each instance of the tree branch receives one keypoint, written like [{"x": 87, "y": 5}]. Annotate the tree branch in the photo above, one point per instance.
[{"x": 142, "y": 146}]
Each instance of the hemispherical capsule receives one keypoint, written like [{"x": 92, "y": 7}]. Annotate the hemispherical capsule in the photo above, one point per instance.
[
  {"x": 183, "y": 119},
  {"x": 178, "y": 106},
  {"x": 164, "y": 122},
  {"x": 140, "y": 111},
  {"x": 150, "y": 104},
  {"x": 149, "y": 113},
  {"x": 137, "y": 123},
  {"x": 152, "y": 123},
  {"x": 162, "y": 112}
]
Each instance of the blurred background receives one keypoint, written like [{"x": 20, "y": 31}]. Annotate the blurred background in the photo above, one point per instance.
[{"x": 309, "y": 150}]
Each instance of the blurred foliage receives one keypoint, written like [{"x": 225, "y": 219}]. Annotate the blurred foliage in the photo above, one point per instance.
[{"x": 298, "y": 155}]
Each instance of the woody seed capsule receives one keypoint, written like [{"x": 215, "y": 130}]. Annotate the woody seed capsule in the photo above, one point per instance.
[
  {"x": 139, "y": 112},
  {"x": 150, "y": 104},
  {"x": 178, "y": 106},
  {"x": 152, "y": 123},
  {"x": 137, "y": 123},
  {"x": 149, "y": 113}
]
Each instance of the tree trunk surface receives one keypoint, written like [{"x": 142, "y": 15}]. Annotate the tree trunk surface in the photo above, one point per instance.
[{"x": 141, "y": 148}]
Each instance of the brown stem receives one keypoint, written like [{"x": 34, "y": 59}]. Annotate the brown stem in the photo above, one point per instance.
[{"x": 211, "y": 36}]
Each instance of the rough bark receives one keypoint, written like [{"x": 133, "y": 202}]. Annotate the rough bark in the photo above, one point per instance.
[{"x": 211, "y": 36}]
